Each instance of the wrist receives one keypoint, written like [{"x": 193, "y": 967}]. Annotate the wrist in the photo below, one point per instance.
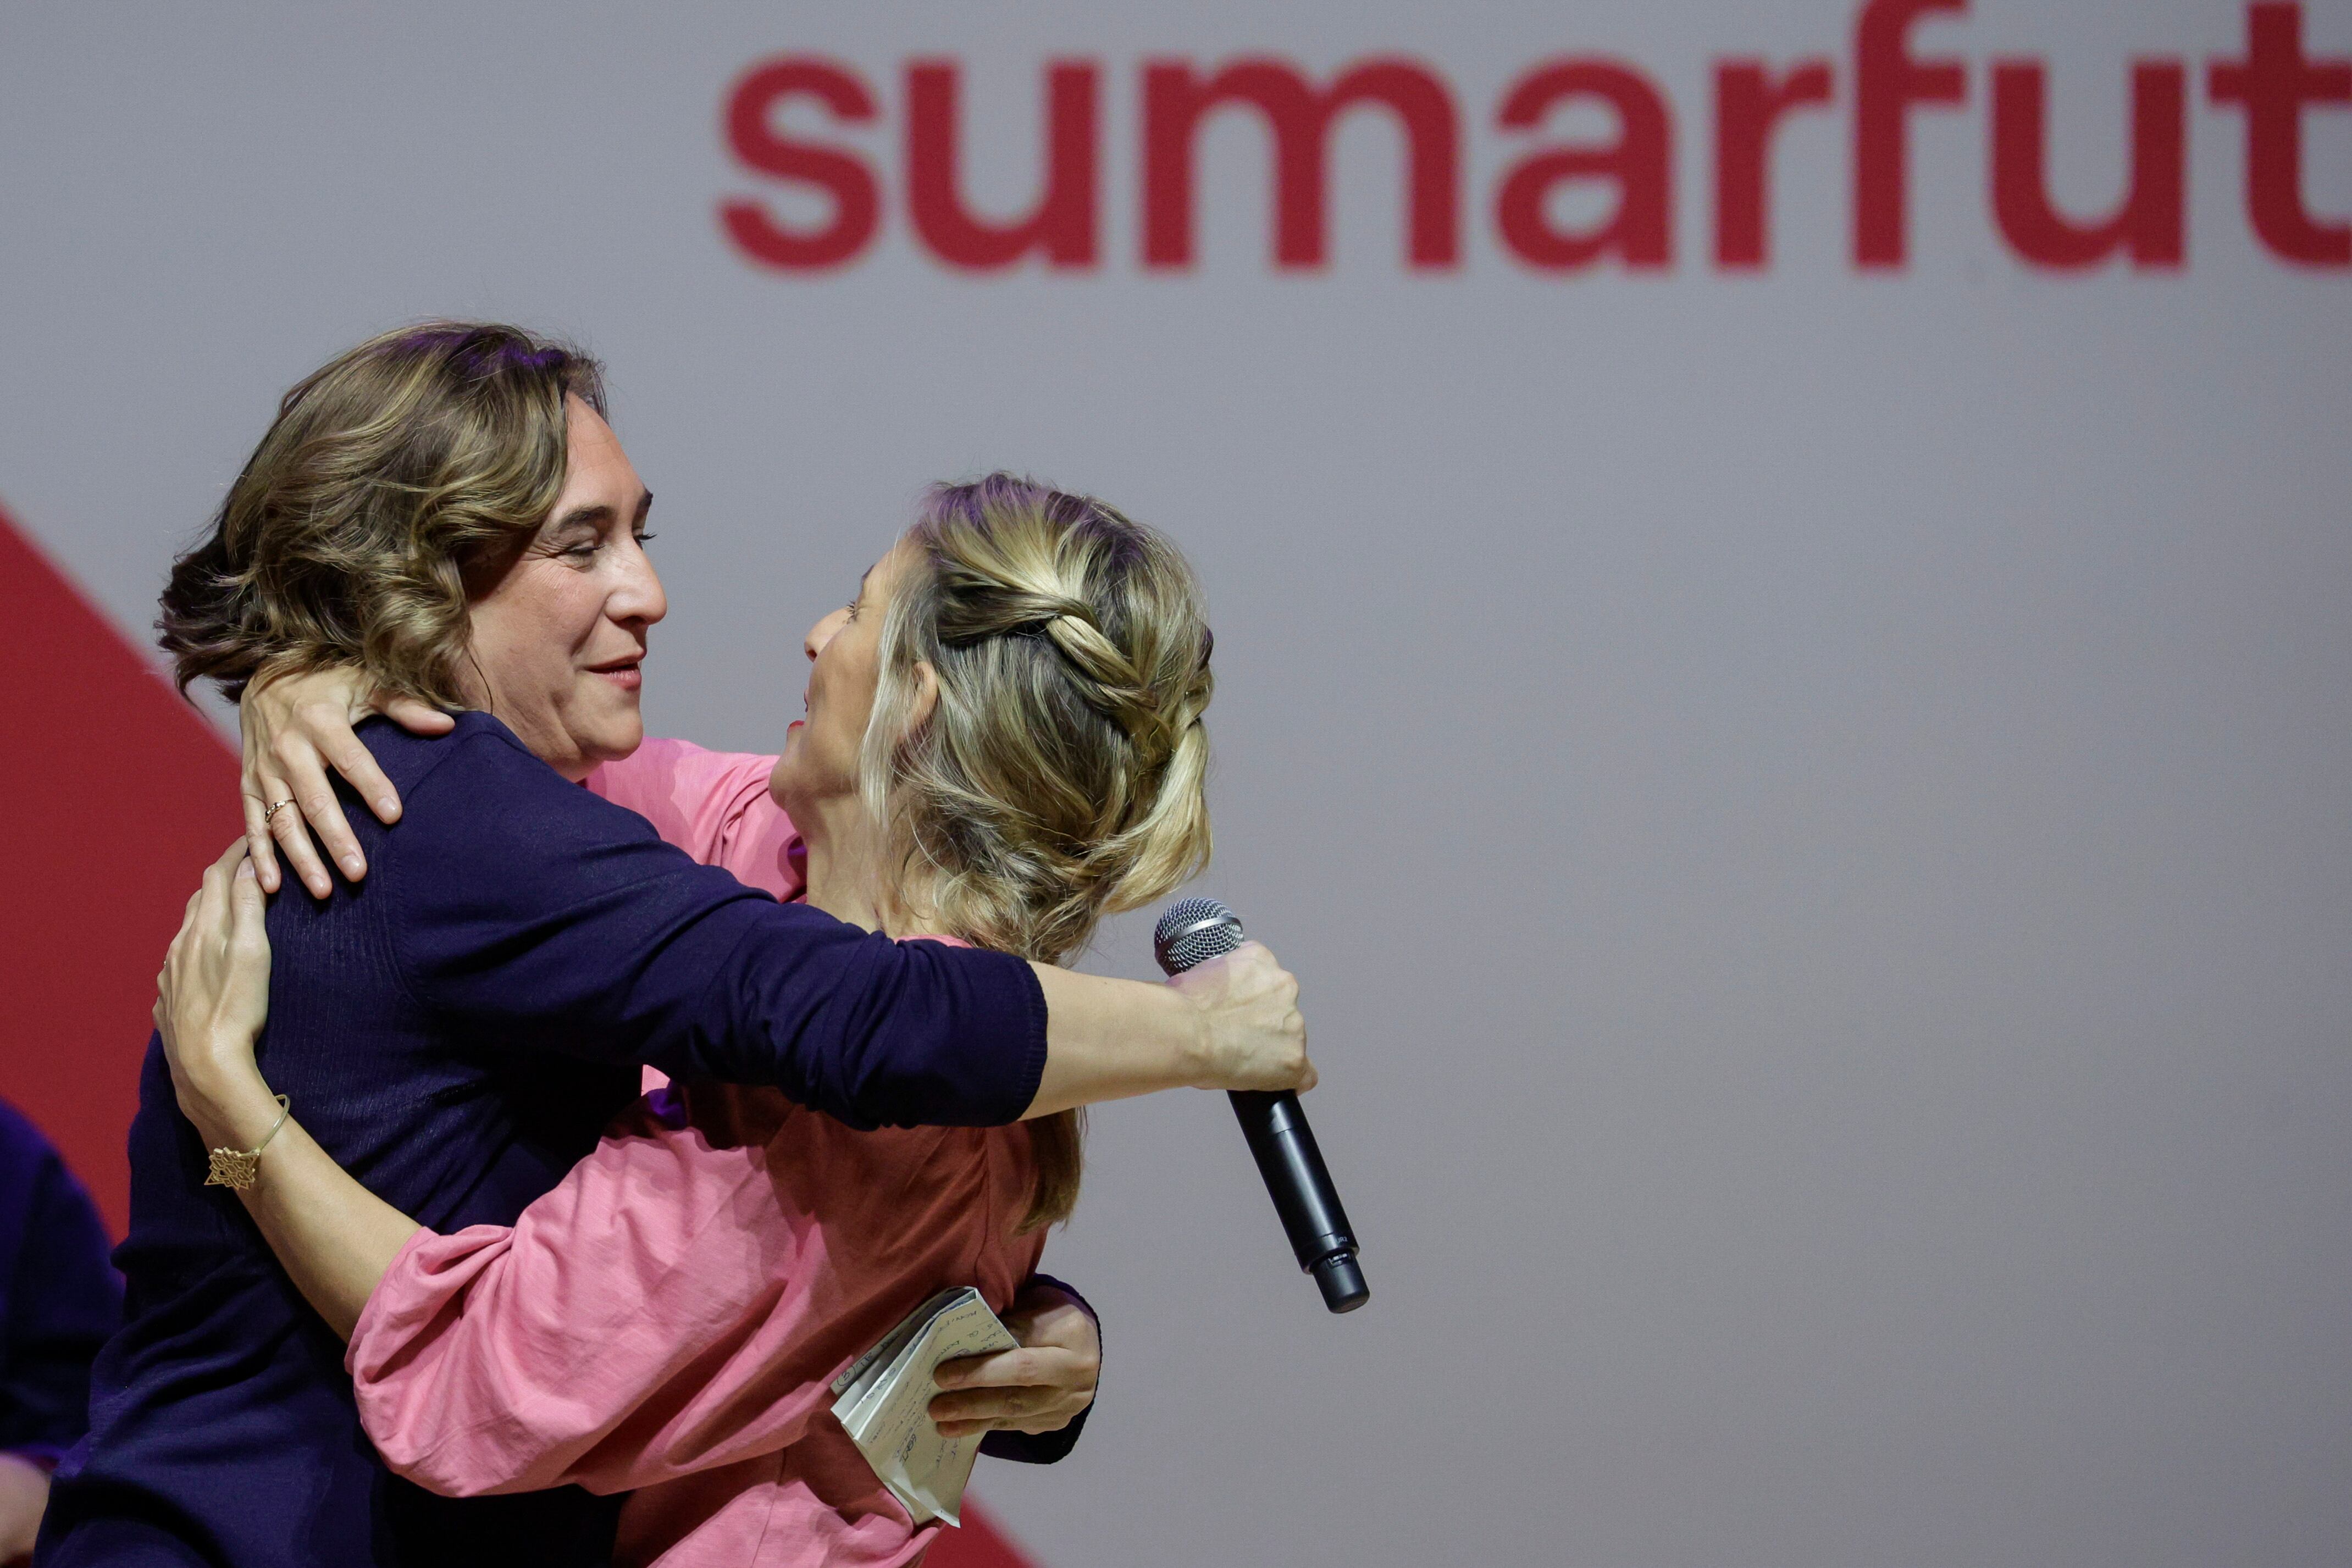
[
  {"x": 1198, "y": 1053},
  {"x": 231, "y": 1108}
]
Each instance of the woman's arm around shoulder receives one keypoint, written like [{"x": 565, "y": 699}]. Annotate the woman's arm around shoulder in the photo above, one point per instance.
[{"x": 609, "y": 952}]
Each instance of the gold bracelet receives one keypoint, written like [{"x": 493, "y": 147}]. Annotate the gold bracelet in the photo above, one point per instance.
[{"x": 234, "y": 1168}]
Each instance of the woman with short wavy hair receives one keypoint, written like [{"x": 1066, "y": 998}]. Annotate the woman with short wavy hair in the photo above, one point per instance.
[
  {"x": 400, "y": 482},
  {"x": 1004, "y": 742}
]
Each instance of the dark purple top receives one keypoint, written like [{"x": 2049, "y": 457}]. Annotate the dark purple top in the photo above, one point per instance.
[
  {"x": 60, "y": 1298},
  {"x": 455, "y": 1031}
]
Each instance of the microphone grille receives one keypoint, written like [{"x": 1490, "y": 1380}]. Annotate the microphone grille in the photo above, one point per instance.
[{"x": 1194, "y": 932}]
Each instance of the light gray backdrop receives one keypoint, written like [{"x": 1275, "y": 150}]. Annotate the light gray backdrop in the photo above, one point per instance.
[{"x": 1811, "y": 808}]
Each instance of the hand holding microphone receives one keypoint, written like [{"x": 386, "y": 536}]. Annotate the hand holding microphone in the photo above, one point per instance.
[
  {"x": 1252, "y": 1035},
  {"x": 1192, "y": 934}
]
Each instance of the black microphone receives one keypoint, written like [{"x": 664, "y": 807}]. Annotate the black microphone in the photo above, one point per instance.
[{"x": 1192, "y": 933}]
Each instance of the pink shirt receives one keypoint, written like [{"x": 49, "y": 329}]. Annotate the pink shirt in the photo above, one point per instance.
[{"x": 669, "y": 1317}]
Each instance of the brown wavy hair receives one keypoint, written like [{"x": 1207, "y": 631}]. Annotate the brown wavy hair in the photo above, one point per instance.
[
  {"x": 1062, "y": 774},
  {"x": 394, "y": 477}
]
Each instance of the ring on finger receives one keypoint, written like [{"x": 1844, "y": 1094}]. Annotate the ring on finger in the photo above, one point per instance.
[{"x": 269, "y": 811}]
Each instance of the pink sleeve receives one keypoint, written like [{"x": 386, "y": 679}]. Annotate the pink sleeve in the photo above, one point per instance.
[
  {"x": 587, "y": 1342},
  {"x": 714, "y": 805},
  {"x": 557, "y": 1351}
]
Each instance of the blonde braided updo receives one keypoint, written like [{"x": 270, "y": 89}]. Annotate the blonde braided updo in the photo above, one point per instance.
[{"x": 1061, "y": 776}]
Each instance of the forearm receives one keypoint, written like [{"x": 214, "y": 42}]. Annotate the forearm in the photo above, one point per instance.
[
  {"x": 334, "y": 1238},
  {"x": 1113, "y": 1040},
  {"x": 1230, "y": 1023}
]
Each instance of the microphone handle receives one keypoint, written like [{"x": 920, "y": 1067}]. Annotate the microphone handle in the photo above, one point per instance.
[{"x": 1284, "y": 1147}]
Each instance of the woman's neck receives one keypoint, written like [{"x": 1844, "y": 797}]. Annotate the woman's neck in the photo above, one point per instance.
[{"x": 847, "y": 876}]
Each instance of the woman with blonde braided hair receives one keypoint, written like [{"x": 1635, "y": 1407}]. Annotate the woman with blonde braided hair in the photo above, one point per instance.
[
  {"x": 1061, "y": 776},
  {"x": 1003, "y": 743},
  {"x": 1060, "y": 658}
]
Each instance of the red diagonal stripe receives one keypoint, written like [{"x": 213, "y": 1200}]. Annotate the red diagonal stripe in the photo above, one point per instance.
[
  {"x": 981, "y": 1544},
  {"x": 115, "y": 796}
]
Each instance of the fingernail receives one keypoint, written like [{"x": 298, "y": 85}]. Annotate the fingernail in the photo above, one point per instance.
[
  {"x": 388, "y": 807},
  {"x": 353, "y": 865}
]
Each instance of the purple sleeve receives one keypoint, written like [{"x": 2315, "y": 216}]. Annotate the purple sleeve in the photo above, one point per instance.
[
  {"x": 1045, "y": 1447},
  {"x": 529, "y": 912}
]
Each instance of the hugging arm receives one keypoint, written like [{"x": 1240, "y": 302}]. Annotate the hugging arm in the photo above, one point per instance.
[
  {"x": 584, "y": 1345},
  {"x": 608, "y": 940},
  {"x": 536, "y": 916}
]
